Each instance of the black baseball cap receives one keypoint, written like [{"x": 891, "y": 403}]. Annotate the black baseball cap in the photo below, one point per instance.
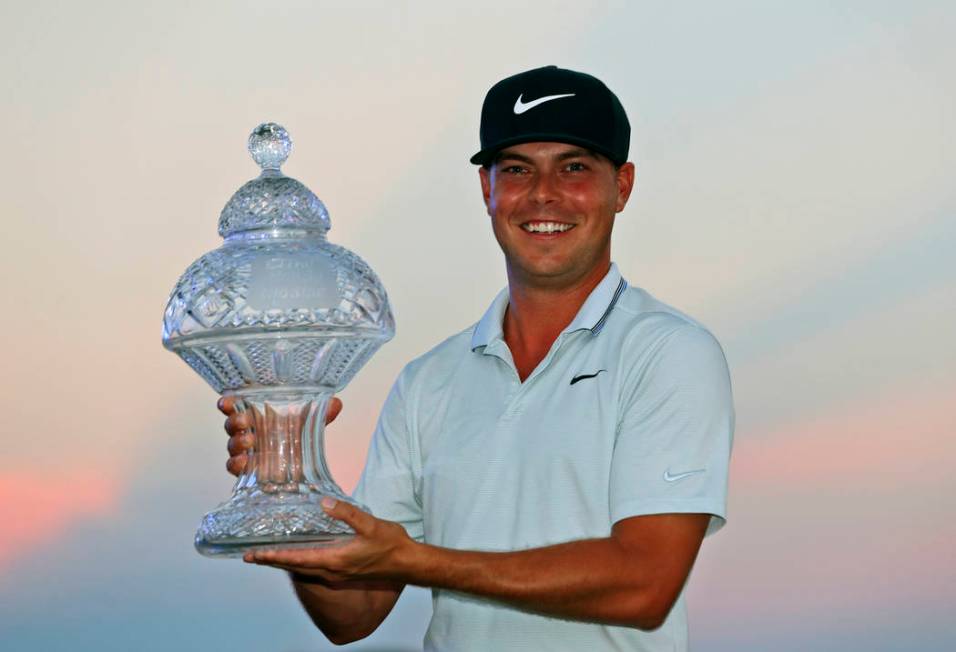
[{"x": 553, "y": 104}]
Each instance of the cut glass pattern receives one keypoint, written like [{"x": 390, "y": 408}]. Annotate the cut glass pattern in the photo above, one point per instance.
[{"x": 281, "y": 319}]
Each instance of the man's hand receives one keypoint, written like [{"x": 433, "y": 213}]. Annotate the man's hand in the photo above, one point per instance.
[
  {"x": 379, "y": 551},
  {"x": 343, "y": 613},
  {"x": 242, "y": 439}
]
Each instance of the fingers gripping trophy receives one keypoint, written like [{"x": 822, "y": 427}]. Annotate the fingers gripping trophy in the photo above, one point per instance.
[{"x": 280, "y": 319}]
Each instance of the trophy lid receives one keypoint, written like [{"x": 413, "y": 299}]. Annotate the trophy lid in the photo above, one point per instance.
[
  {"x": 277, "y": 304},
  {"x": 272, "y": 200}
]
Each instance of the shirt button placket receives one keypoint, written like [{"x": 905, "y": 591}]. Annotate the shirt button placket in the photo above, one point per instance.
[{"x": 512, "y": 401}]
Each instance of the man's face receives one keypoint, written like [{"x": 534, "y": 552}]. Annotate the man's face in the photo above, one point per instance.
[{"x": 552, "y": 207}]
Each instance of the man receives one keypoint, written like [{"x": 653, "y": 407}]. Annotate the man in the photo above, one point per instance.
[{"x": 550, "y": 472}]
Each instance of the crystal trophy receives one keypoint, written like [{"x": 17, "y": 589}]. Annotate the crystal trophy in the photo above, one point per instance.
[{"x": 281, "y": 319}]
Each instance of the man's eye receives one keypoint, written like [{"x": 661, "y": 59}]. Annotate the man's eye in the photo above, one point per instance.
[
  {"x": 576, "y": 166},
  {"x": 512, "y": 169}
]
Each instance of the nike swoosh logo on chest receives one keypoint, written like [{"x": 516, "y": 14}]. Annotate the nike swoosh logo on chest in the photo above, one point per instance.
[{"x": 586, "y": 376}]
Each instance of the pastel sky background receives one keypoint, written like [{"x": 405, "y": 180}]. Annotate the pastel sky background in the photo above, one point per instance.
[{"x": 795, "y": 193}]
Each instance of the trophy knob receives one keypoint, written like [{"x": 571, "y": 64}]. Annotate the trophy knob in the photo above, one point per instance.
[{"x": 270, "y": 145}]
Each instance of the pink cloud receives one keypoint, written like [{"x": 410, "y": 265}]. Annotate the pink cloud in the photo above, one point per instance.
[
  {"x": 883, "y": 443},
  {"x": 37, "y": 505},
  {"x": 819, "y": 575},
  {"x": 838, "y": 516},
  {"x": 346, "y": 449}
]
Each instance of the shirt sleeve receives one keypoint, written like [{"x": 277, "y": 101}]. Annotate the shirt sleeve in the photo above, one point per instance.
[
  {"x": 676, "y": 431},
  {"x": 387, "y": 485}
]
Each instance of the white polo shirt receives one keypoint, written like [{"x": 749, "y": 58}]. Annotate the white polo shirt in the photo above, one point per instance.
[{"x": 630, "y": 413}]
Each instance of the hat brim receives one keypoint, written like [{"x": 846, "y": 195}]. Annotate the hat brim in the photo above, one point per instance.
[{"x": 487, "y": 155}]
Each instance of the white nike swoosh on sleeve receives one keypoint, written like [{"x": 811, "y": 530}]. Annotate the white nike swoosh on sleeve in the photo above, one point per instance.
[{"x": 677, "y": 476}]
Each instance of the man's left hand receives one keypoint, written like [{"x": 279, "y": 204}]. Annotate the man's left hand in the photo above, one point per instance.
[{"x": 376, "y": 553}]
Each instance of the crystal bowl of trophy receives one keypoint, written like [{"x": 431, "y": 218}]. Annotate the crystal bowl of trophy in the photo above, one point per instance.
[{"x": 280, "y": 319}]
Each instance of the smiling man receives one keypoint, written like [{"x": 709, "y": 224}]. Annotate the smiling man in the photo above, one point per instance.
[{"x": 551, "y": 471}]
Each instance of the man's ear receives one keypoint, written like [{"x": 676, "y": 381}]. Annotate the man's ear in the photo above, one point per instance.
[
  {"x": 625, "y": 184},
  {"x": 484, "y": 174}
]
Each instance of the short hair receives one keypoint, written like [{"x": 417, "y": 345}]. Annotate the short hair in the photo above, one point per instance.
[{"x": 494, "y": 159}]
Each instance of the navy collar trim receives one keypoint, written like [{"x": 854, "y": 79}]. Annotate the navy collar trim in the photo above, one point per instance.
[
  {"x": 489, "y": 328},
  {"x": 607, "y": 313}
]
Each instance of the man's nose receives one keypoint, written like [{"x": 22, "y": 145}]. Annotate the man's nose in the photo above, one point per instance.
[{"x": 544, "y": 189}]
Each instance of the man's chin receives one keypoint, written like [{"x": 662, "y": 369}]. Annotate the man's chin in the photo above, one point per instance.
[{"x": 546, "y": 274}]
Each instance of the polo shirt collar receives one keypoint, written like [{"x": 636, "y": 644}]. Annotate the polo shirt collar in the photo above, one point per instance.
[{"x": 592, "y": 315}]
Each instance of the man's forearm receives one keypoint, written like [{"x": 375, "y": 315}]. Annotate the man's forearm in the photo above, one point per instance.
[
  {"x": 630, "y": 578},
  {"x": 596, "y": 580},
  {"x": 346, "y": 612}
]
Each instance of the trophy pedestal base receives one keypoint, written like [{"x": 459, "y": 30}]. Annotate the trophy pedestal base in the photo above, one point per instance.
[
  {"x": 236, "y": 548},
  {"x": 270, "y": 521}
]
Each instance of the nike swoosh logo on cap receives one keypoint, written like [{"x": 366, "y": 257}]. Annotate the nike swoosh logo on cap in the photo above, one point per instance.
[
  {"x": 521, "y": 107},
  {"x": 674, "y": 478}
]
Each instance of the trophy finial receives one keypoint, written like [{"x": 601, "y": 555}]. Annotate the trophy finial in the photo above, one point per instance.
[
  {"x": 269, "y": 144},
  {"x": 272, "y": 200}
]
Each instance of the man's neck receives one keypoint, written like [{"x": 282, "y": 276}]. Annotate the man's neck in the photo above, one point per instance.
[{"x": 536, "y": 315}]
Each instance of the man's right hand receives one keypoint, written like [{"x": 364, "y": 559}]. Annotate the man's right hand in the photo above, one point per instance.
[
  {"x": 242, "y": 439},
  {"x": 343, "y": 613}
]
